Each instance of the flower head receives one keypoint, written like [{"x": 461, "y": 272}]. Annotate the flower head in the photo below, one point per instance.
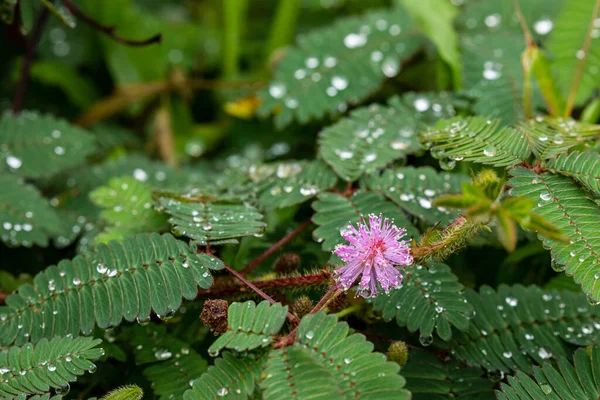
[{"x": 373, "y": 251}]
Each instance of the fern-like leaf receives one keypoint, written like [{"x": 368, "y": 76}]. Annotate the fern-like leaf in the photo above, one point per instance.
[
  {"x": 334, "y": 212},
  {"x": 339, "y": 365},
  {"x": 233, "y": 377},
  {"x": 430, "y": 298},
  {"x": 568, "y": 36},
  {"x": 340, "y": 64},
  {"x": 585, "y": 167},
  {"x": 173, "y": 363},
  {"x": 516, "y": 327},
  {"x": 36, "y": 146},
  {"x": 562, "y": 202},
  {"x": 49, "y": 364},
  {"x": 415, "y": 189},
  {"x": 295, "y": 183},
  {"x": 250, "y": 326},
  {"x": 128, "y": 392},
  {"x": 565, "y": 380},
  {"x": 477, "y": 139},
  {"x": 207, "y": 219},
  {"x": 27, "y": 218},
  {"x": 428, "y": 378},
  {"x": 128, "y": 209},
  {"x": 118, "y": 281},
  {"x": 373, "y": 136}
]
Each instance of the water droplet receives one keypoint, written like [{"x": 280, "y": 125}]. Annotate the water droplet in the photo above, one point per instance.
[
  {"x": 300, "y": 74},
  {"x": 63, "y": 390},
  {"x": 213, "y": 353},
  {"x": 309, "y": 335},
  {"x": 545, "y": 196},
  {"x": 311, "y": 62},
  {"x": 291, "y": 103},
  {"x": 511, "y": 301},
  {"x": 544, "y": 354},
  {"x": 421, "y": 104},
  {"x": 390, "y": 67},
  {"x": 76, "y": 281},
  {"x": 493, "y": 20},
  {"x": 425, "y": 203},
  {"x": 222, "y": 392},
  {"x": 489, "y": 150},
  {"x": 51, "y": 367},
  {"x": 507, "y": 354},
  {"x": 207, "y": 226},
  {"x": 140, "y": 175},
  {"x": 370, "y": 157},
  {"x": 339, "y": 82},
  {"x": 529, "y": 336},
  {"x": 277, "y": 90},
  {"x": 163, "y": 354},
  {"x": 492, "y": 70},
  {"x": 580, "y": 54},
  {"x": 543, "y": 26},
  {"x": 354, "y": 40},
  {"x": 51, "y": 285},
  {"x": 344, "y": 154},
  {"x": 376, "y": 56},
  {"x": 447, "y": 163},
  {"x": 426, "y": 340},
  {"x": 13, "y": 162},
  {"x": 347, "y": 360},
  {"x": 496, "y": 375},
  {"x": 546, "y": 389},
  {"x": 330, "y": 62},
  {"x": 59, "y": 150}
]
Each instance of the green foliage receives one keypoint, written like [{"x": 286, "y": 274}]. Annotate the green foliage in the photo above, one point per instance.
[
  {"x": 35, "y": 146},
  {"x": 339, "y": 65},
  {"x": 372, "y": 137},
  {"x": 564, "y": 203},
  {"x": 584, "y": 167},
  {"x": 128, "y": 280},
  {"x": 476, "y": 139},
  {"x": 211, "y": 220},
  {"x": 430, "y": 298},
  {"x": 173, "y": 364},
  {"x": 230, "y": 375},
  {"x": 565, "y": 380},
  {"x": 325, "y": 361},
  {"x": 127, "y": 208},
  {"x": 27, "y": 218},
  {"x": 428, "y": 378},
  {"x": 250, "y": 326},
  {"x": 294, "y": 183},
  {"x": 574, "y": 23},
  {"x": 129, "y": 392},
  {"x": 517, "y": 327},
  {"x": 415, "y": 189},
  {"x": 49, "y": 364},
  {"x": 335, "y": 212}
]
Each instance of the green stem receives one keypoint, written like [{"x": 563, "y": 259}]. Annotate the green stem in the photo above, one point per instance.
[
  {"x": 591, "y": 112},
  {"x": 234, "y": 12},
  {"x": 283, "y": 27},
  {"x": 348, "y": 311}
]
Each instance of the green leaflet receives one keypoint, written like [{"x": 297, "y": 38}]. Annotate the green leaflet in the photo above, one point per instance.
[
  {"x": 211, "y": 220},
  {"x": 430, "y": 298},
  {"x": 372, "y": 137},
  {"x": 293, "y": 183},
  {"x": 415, "y": 190},
  {"x": 36, "y": 146},
  {"x": 562, "y": 202},
  {"x": 128, "y": 280},
  {"x": 339, "y": 65},
  {"x": 516, "y": 327},
  {"x": 337, "y": 363},
  {"x": 47, "y": 365},
  {"x": 584, "y": 167},
  {"x": 566, "y": 380},
  {"x": 250, "y": 326},
  {"x": 335, "y": 212},
  {"x": 230, "y": 375},
  {"x": 128, "y": 209},
  {"x": 27, "y": 218},
  {"x": 428, "y": 378}
]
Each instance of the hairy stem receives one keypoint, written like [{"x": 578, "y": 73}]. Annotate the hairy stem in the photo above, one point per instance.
[
  {"x": 579, "y": 71},
  {"x": 26, "y": 67},
  {"x": 258, "y": 260},
  {"x": 108, "y": 30},
  {"x": 262, "y": 294},
  {"x": 278, "y": 283}
]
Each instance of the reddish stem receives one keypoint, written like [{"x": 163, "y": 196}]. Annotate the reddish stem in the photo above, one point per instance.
[
  {"x": 258, "y": 260},
  {"x": 262, "y": 294},
  {"x": 26, "y": 67},
  {"x": 108, "y": 30},
  {"x": 279, "y": 283}
]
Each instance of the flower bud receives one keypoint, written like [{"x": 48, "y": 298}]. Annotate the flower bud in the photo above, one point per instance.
[
  {"x": 302, "y": 306},
  {"x": 398, "y": 353},
  {"x": 214, "y": 315},
  {"x": 287, "y": 262}
]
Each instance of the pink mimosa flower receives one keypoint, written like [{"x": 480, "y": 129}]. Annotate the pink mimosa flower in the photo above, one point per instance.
[{"x": 373, "y": 252}]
